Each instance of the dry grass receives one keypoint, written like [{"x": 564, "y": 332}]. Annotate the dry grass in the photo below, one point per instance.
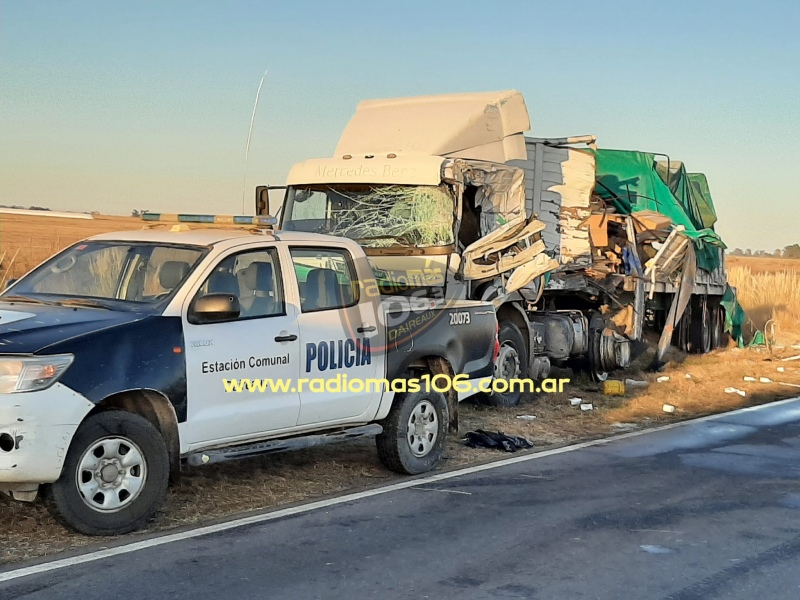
[
  {"x": 224, "y": 490},
  {"x": 26, "y": 241},
  {"x": 770, "y": 295}
]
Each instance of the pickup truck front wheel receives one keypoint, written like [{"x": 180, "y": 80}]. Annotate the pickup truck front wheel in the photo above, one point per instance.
[
  {"x": 511, "y": 363},
  {"x": 115, "y": 475},
  {"x": 413, "y": 435}
]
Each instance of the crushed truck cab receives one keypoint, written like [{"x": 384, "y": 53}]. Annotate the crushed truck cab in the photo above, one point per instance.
[{"x": 128, "y": 353}]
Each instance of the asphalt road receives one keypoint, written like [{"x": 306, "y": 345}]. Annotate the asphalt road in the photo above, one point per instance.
[{"x": 705, "y": 510}]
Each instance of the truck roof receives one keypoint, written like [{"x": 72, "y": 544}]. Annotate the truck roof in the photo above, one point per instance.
[
  {"x": 479, "y": 126},
  {"x": 210, "y": 236}
]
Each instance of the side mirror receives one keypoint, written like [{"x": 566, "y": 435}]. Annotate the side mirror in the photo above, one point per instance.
[
  {"x": 213, "y": 308},
  {"x": 262, "y": 200}
]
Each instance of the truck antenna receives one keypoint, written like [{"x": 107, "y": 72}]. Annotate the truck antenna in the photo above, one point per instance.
[{"x": 249, "y": 135}]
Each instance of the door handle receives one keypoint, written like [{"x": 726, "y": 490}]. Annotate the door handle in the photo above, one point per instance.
[
  {"x": 366, "y": 329},
  {"x": 286, "y": 338}
]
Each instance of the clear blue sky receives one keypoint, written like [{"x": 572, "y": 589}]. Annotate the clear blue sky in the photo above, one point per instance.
[{"x": 112, "y": 106}]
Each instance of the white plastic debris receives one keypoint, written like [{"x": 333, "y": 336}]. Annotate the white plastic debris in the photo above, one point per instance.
[
  {"x": 575, "y": 401},
  {"x": 688, "y": 376},
  {"x": 765, "y": 380},
  {"x": 797, "y": 357},
  {"x": 663, "y": 378},
  {"x": 586, "y": 406},
  {"x": 733, "y": 390},
  {"x": 668, "y": 408},
  {"x": 748, "y": 378},
  {"x": 526, "y": 417},
  {"x": 632, "y": 383},
  {"x": 781, "y": 369}
]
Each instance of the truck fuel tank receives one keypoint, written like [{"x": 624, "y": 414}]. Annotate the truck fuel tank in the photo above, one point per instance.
[{"x": 566, "y": 333}]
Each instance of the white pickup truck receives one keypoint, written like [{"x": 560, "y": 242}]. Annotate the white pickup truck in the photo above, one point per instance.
[{"x": 120, "y": 357}]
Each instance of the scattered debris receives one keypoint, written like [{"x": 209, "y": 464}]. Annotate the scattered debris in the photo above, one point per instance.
[
  {"x": 748, "y": 378},
  {"x": 794, "y": 385},
  {"x": 614, "y": 387},
  {"x": 781, "y": 369},
  {"x": 688, "y": 376},
  {"x": 587, "y": 406},
  {"x": 733, "y": 390},
  {"x": 636, "y": 383},
  {"x": 668, "y": 408},
  {"x": 795, "y": 357},
  {"x": 496, "y": 440},
  {"x": 526, "y": 417},
  {"x": 575, "y": 401},
  {"x": 765, "y": 380},
  {"x": 663, "y": 378}
]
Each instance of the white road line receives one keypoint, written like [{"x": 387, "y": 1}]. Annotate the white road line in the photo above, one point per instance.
[
  {"x": 96, "y": 555},
  {"x": 419, "y": 489}
]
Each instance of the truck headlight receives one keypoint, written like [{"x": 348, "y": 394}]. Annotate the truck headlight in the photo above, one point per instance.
[{"x": 31, "y": 373}]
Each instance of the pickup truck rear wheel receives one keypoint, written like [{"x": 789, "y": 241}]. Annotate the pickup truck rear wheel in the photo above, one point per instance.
[
  {"x": 115, "y": 475},
  {"x": 414, "y": 431},
  {"x": 511, "y": 363}
]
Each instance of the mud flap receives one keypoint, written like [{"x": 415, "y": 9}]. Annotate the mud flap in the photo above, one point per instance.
[{"x": 678, "y": 305}]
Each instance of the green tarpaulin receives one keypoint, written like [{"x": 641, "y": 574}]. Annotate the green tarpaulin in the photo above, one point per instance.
[
  {"x": 631, "y": 182},
  {"x": 703, "y": 198},
  {"x": 734, "y": 316}
]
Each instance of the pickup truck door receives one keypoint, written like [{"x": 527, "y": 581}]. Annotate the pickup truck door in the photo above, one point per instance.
[
  {"x": 339, "y": 330},
  {"x": 262, "y": 343}
]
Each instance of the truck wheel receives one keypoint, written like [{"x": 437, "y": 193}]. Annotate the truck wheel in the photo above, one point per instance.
[
  {"x": 511, "y": 363},
  {"x": 413, "y": 432},
  {"x": 700, "y": 327},
  {"x": 115, "y": 475}
]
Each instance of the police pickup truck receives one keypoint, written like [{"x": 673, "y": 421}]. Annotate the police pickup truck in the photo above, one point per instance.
[{"x": 120, "y": 357}]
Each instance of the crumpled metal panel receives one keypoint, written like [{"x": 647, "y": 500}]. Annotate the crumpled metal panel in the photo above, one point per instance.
[{"x": 559, "y": 183}]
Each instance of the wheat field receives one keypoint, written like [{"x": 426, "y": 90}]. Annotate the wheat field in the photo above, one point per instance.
[
  {"x": 26, "y": 241},
  {"x": 769, "y": 291}
]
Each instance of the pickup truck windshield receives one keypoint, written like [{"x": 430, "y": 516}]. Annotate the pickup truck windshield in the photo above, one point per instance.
[
  {"x": 123, "y": 273},
  {"x": 376, "y": 216}
]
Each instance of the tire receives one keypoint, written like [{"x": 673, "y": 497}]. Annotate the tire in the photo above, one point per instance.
[
  {"x": 511, "y": 363},
  {"x": 700, "y": 327},
  {"x": 414, "y": 432},
  {"x": 138, "y": 454}
]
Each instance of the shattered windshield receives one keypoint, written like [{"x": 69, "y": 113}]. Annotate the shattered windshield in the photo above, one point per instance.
[
  {"x": 108, "y": 274},
  {"x": 374, "y": 216}
]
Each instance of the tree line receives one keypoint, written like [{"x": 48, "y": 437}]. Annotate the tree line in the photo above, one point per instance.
[{"x": 792, "y": 251}]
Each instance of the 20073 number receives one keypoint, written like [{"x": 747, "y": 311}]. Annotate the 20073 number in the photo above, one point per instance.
[{"x": 459, "y": 318}]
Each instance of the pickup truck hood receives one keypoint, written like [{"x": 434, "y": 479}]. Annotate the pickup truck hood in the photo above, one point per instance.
[{"x": 30, "y": 328}]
